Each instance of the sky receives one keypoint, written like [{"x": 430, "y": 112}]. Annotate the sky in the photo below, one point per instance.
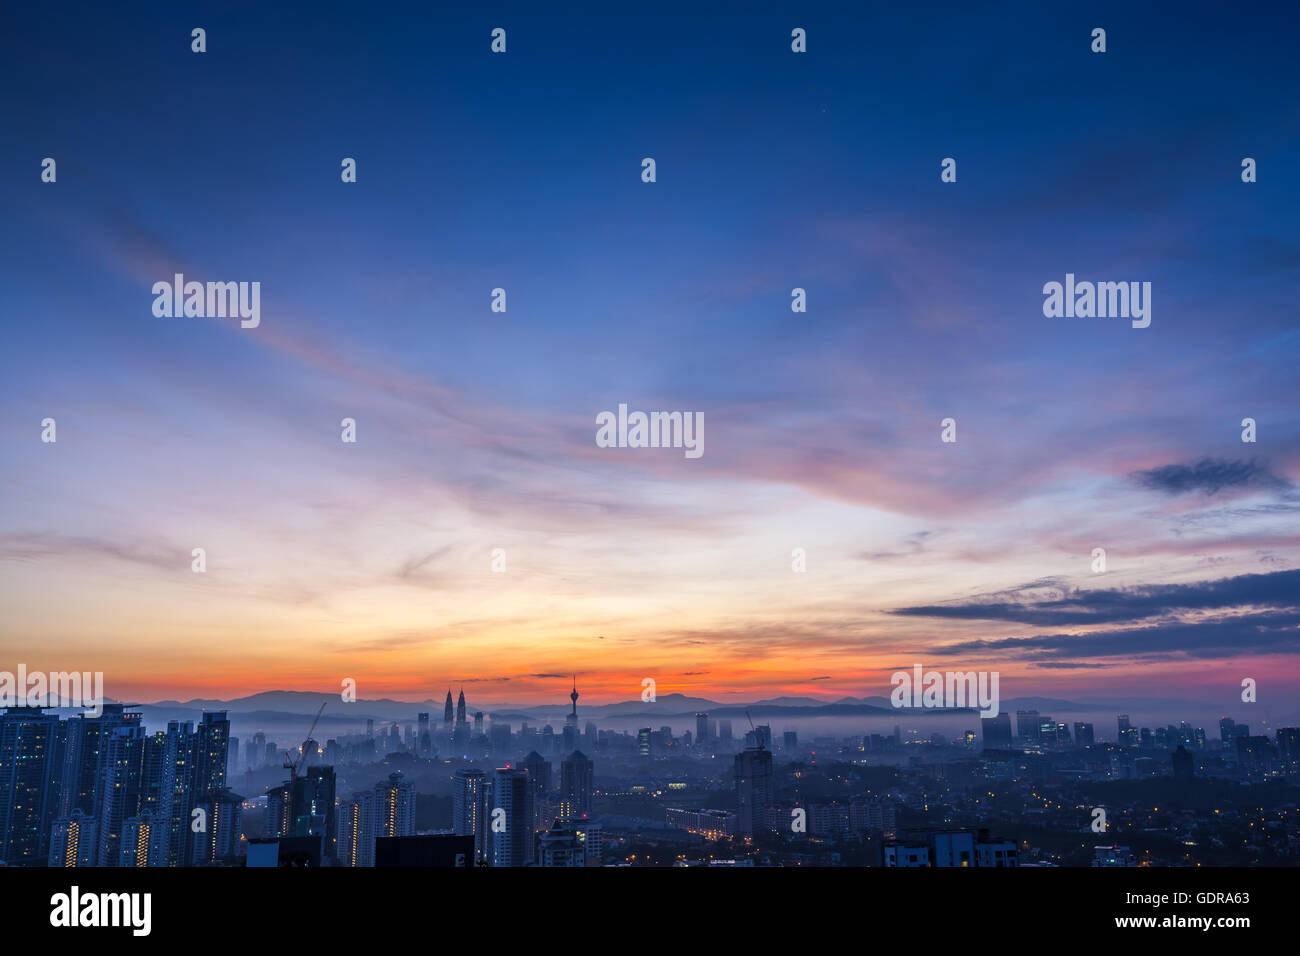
[{"x": 476, "y": 429}]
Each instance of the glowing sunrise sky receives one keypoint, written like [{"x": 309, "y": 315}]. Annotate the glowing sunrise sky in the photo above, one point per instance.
[{"x": 476, "y": 430}]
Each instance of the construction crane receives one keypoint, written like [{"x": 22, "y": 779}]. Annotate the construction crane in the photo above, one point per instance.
[{"x": 293, "y": 766}]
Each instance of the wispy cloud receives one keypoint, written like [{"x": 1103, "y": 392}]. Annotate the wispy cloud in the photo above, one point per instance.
[{"x": 37, "y": 546}]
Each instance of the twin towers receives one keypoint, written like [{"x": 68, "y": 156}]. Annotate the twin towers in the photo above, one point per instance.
[
  {"x": 460, "y": 709},
  {"x": 461, "y": 719}
]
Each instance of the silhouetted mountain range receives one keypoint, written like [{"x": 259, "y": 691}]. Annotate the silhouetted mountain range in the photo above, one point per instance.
[{"x": 292, "y": 711}]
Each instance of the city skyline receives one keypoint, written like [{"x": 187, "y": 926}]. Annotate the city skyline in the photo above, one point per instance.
[
  {"x": 802, "y": 706},
  {"x": 271, "y": 717},
  {"x": 106, "y": 791}
]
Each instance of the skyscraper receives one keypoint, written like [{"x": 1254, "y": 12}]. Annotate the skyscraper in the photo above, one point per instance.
[
  {"x": 423, "y": 740},
  {"x": 1227, "y": 730},
  {"x": 469, "y": 808},
  {"x": 210, "y": 758},
  {"x": 1049, "y": 732},
  {"x": 512, "y": 831},
  {"x": 217, "y": 842},
  {"x": 1128, "y": 734},
  {"x": 996, "y": 731},
  {"x": 82, "y": 770},
  {"x": 499, "y": 735},
  {"x": 460, "y": 737},
  {"x": 279, "y": 811},
  {"x": 1028, "y": 726},
  {"x": 176, "y": 793},
  {"x": 394, "y": 807},
  {"x": 155, "y": 800},
  {"x": 31, "y": 745},
  {"x": 753, "y": 773},
  {"x": 1083, "y": 735},
  {"x": 312, "y": 810},
  {"x": 701, "y": 729},
  {"x": 576, "y": 774},
  {"x": 538, "y": 769},
  {"x": 356, "y": 830},
  {"x": 118, "y": 792},
  {"x": 1288, "y": 746}
]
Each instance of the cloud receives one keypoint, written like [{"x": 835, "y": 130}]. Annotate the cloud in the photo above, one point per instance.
[
  {"x": 410, "y": 570},
  {"x": 34, "y": 546},
  {"x": 1276, "y": 589},
  {"x": 913, "y": 544},
  {"x": 1210, "y": 476},
  {"x": 390, "y": 641},
  {"x": 1272, "y": 632},
  {"x": 1068, "y": 665}
]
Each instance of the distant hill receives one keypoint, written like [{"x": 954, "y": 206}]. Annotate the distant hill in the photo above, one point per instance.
[
  {"x": 791, "y": 702},
  {"x": 291, "y": 712},
  {"x": 664, "y": 705}
]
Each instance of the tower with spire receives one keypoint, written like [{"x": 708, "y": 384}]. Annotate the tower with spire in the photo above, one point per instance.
[
  {"x": 570, "y": 739},
  {"x": 446, "y": 711}
]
